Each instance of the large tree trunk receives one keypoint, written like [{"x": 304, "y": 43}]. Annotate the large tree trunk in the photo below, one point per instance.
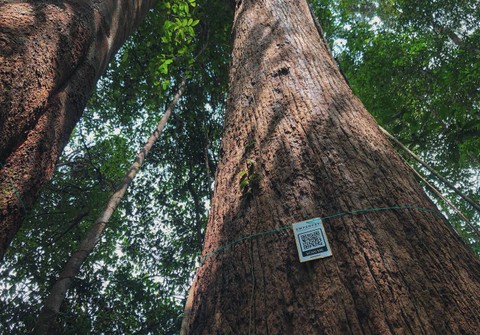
[
  {"x": 310, "y": 149},
  {"x": 51, "y": 55}
]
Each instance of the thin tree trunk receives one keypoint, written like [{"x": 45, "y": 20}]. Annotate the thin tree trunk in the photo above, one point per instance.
[
  {"x": 457, "y": 40},
  {"x": 51, "y": 55},
  {"x": 310, "y": 149},
  {"x": 51, "y": 308},
  {"x": 474, "y": 228},
  {"x": 433, "y": 171}
]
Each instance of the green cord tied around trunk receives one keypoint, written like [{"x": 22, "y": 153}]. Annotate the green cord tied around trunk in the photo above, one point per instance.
[
  {"x": 333, "y": 216},
  {"x": 10, "y": 181}
]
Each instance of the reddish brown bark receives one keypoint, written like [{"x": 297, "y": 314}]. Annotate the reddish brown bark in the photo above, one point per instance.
[
  {"x": 312, "y": 150},
  {"x": 51, "y": 55}
]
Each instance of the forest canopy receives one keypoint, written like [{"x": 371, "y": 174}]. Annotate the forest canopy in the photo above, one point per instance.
[{"x": 414, "y": 64}]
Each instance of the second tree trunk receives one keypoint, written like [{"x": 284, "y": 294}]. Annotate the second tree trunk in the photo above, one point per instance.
[{"x": 298, "y": 145}]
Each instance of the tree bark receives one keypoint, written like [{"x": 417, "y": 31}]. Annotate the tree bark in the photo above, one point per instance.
[
  {"x": 51, "y": 55},
  {"x": 310, "y": 149}
]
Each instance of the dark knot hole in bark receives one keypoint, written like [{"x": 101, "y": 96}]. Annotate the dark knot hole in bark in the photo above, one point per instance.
[{"x": 281, "y": 72}]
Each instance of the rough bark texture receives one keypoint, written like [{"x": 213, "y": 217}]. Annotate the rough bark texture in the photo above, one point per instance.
[
  {"x": 52, "y": 53},
  {"x": 311, "y": 150}
]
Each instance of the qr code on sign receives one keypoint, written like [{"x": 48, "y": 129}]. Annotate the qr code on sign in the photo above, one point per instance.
[{"x": 311, "y": 240}]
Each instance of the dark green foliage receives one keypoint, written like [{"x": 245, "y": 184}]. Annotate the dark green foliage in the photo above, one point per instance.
[
  {"x": 136, "y": 279},
  {"x": 415, "y": 66},
  {"x": 398, "y": 57}
]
